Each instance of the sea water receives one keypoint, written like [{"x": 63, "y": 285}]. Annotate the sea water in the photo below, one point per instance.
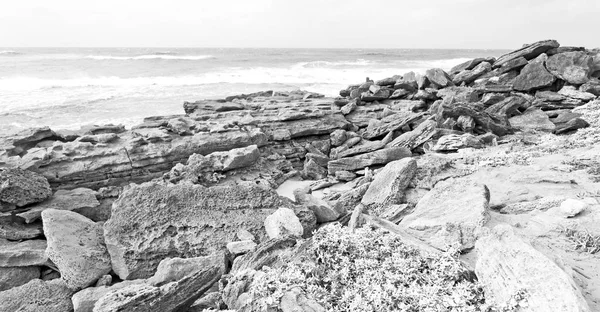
[{"x": 66, "y": 88}]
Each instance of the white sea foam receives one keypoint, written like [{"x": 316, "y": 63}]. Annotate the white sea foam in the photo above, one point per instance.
[
  {"x": 9, "y": 52},
  {"x": 163, "y": 56}
]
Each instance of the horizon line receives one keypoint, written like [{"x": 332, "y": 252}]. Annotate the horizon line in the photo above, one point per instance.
[{"x": 183, "y": 47}]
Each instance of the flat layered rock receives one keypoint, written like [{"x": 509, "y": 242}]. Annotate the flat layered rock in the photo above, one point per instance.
[
  {"x": 36, "y": 296},
  {"x": 152, "y": 221},
  {"x": 507, "y": 265},
  {"x": 84, "y": 300},
  {"x": 534, "y": 76},
  {"x": 389, "y": 184},
  {"x": 17, "y": 276},
  {"x": 451, "y": 213},
  {"x": 175, "y": 296},
  {"x": 532, "y": 119},
  {"x": 78, "y": 198},
  {"x": 23, "y": 254},
  {"x": 470, "y": 75},
  {"x": 528, "y": 52},
  {"x": 378, "y": 157},
  {"x": 15, "y": 230},
  {"x": 454, "y": 142},
  {"x": 21, "y": 187},
  {"x": 438, "y": 77},
  {"x": 76, "y": 246}
]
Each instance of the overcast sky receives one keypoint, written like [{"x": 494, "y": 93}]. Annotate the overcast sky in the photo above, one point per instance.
[{"x": 298, "y": 23}]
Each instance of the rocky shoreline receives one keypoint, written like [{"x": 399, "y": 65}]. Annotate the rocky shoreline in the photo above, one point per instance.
[{"x": 494, "y": 160}]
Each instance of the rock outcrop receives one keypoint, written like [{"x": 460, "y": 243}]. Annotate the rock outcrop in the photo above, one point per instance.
[{"x": 37, "y": 295}]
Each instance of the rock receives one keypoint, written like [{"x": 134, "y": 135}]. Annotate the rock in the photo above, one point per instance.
[
  {"x": 508, "y": 107},
  {"x": 181, "y": 221},
  {"x": 346, "y": 176},
  {"x": 23, "y": 254},
  {"x": 241, "y": 247},
  {"x": 105, "y": 280},
  {"x": 391, "y": 123},
  {"x": 314, "y": 171},
  {"x": 573, "y": 67},
  {"x": 17, "y": 276},
  {"x": 37, "y": 296},
  {"x": 84, "y": 300},
  {"x": 570, "y": 208},
  {"x": 269, "y": 253},
  {"x": 534, "y": 75},
  {"x": 572, "y": 92},
  {"x": 389, "y": 184},
  {"x": 379, "y": 95},
  {"x": 438, "y": 78},
  {"x": 454, "y": 142},
  {"x": 175, "y": 296},
  {"x": 351, "y": 198},
  {"x": 338, "y": 137},
  {"x": 571, "y": 125},
  {"x": 592, "y": 86},
  {"x": 361, "y": 161},
  {"x": 528, "y": 52},
  {"x": 76, "y": 247},
  {"x": 15, "y": 230},
  {"x": 395, "y": 213},
  {"x": 386, "y": 82},
  {"x": 399, "y": 93},
  {"x": 242, "y": 234},
  {"x": 513, "y": 64},
  {"x": 283, "y": 222},
  {"x": 348, "y": 108},
  {"x": 175, "y": 269},
  {"x": 295, "y": 300},
  {"x": 507, "y": 265},
  {"x": 319, "y": 159},
  {"x": 466, "y": 123},
  {"x": 451, "y": 213},
  {"x": 322, "y": 210},
  {"x": 532, "y": 119},
  {"x": 76, "y": 199},
  {"x": 468, "y": 65},
  {"x": 21, "y": 187},
  {"x": 421, "y": 134},
  {"x": 468, "y": 76}
]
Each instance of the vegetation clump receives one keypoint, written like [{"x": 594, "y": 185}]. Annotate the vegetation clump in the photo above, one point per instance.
[
  {"x": 369, "y": 270},
  {"x": 584, "y": 240}
]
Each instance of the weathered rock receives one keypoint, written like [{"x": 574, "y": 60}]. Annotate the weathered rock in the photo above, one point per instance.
[
  {"x": 511, "y": 65},
  {"x": 76, "y": 199},
  {"x": 241, "y": 247},
  {"x": 572, "y": 92},
  {"x": 528, "y": 52},
  {"x": 36, "y": 296},
  {"x": 534, "y": 75},
  {"x": 470, "y": 75},
  {"x": 570, "y": 208},
  {"x": 345, "y": 175},
  {"x": 466, "y": 123},
  {"x": 175, "y": 296},
  {"x": 312, "y": 170},
  {"x": 378, "y": 157},
  {"x": 348, "y": 108},
  {"x": 174, "y": 269},
  {"x": 17, "y": 276},
  {"x": 451, "y": 213},
  {"x": 508, "y": 107},
  {"x": 454, "y": 142},
  {"x": 338, "y": 137},
  {"x": 21, "y": 187},
  {"x": 438, "y": 77},
  {"x": 151, "y": 221},
  {"x": 592, "y": 86},
  {"x": 389, "y": 184},
  {"x": 532, "y": 119},
  {"x": 571, "y": 125},
  {"x": 421, "y": 134},
  {"x": 23, "y": 254},
  {"x": 573, "y": 67},
  {"x": 350, "y": 199},
  {"x": 268, "y": 253},
  {"x": 507, "y": 265},
  {"x": 379, "y": 95},
  {"x": 466, "y": 65},
  {"x": 392, "y": 123},
  {"x": 322, "y": 210},
  {"x": 386, "y": 82},
  {"x": 84, "y": 300},
  {"x": 76, "y": 247},
  {"x": 13, "y": 229},
  {"x": 283, "y": 222}
]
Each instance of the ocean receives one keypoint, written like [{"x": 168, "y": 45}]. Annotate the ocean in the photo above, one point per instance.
[{"x": 66, "y": 88}]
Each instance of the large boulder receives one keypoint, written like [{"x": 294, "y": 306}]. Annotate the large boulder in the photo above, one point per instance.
[
  {"x": 534, "y": 75},
  {"x": 532, "y": 119},
  {"x": 451, "y": 213},
  {"x": 17, "y": 276},
  {"x": 36, "y": 296},
  {"x": 470, "y": 75},
  {"x": 528, "y": 52},
  {"x": 438, "y": 78},
  {"x": 153, "y": 221},
  {"x": 283, "y": 222},
  {"x": 507, "y": 265},
  {"x": 21, "y": 187},
  {"x": 389, "y": 184},
  {"x": 23, "y": 254},
  {"x": 174, "y": 269},
  {"x": 75, "y": 199},
  {"x": 572, "y": 67},
  {"x": 76, "y": 247}
]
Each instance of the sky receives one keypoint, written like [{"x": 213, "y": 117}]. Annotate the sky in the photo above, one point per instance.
[{"x": 468, "y": 24}]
